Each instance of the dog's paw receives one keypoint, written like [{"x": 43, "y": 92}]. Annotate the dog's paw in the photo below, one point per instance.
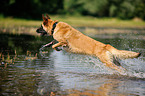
[{"x": 58, "y": 49}]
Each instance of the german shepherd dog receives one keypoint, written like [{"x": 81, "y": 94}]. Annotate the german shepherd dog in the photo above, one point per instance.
[{"x": 80, "y": 43}]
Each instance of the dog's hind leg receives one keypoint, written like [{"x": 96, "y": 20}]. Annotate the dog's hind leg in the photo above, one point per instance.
[{"x": 107, "y": 58}]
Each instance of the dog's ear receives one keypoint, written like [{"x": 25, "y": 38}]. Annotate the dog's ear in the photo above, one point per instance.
[
  {"x": 44, "y": 18},
  {"x": 47, "y": 16}
]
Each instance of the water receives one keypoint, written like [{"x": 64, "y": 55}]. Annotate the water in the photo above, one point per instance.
[{"x": 26, "y": 71}]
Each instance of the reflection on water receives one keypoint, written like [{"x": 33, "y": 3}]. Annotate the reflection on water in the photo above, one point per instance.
[{"x": 23, "y": 70}]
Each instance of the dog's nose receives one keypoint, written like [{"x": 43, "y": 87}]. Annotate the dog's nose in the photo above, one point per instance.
[{"x": 37, "y": 30}]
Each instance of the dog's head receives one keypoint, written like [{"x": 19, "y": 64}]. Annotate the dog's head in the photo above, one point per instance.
[
  {"x": 41, "y": 31},
  {"x": 46, "y": 25}
]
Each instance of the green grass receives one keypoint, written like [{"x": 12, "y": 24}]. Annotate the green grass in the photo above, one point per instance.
[
  {"x": 75, "y": 21},
  {"x": 99, "y": 22},
  {"x": 23, "y": 26},
  {"x": 12, "y": 22}
]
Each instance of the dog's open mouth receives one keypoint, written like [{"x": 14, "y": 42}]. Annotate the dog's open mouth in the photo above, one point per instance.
[{"x": 41, "y": 31}]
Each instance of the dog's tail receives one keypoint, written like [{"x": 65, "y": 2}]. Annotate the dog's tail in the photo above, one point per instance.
[{"x": 122, "y": 54}]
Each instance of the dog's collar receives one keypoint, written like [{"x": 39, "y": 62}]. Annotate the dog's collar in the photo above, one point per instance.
[{"x": 54, "y": 25}]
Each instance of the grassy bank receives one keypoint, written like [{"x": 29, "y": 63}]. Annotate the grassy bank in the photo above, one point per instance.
[
  {"x": 100, "y": 22},
  {"x": 77, "y": 21},
  {"x": 17, "y": 25}
]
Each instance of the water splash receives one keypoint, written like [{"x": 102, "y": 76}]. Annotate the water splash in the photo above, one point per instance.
[
  {"x": 88, "y": 64},
  {"x": 42, "y": 51},
  {"x": 135, "y": 67}
]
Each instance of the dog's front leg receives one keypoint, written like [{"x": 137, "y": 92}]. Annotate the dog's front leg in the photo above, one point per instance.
[
  {"x": 55, "y": 47},
  {"x": 50, "y": 44}
]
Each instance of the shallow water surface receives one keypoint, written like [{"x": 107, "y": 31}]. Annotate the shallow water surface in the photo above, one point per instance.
[{"x": 24, "y": 70}]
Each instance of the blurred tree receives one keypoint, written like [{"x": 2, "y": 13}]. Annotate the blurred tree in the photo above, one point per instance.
[
  {"x": 139, "y": 9},
  {"x": 32, "y": 9},
  {"x": 72, "y": 7},
  {"x": 86, "y": 7},
  {"x": 112, "y": 10},
  {"x": 126, "y": 10},
  {"x": 4, "y": 4}
]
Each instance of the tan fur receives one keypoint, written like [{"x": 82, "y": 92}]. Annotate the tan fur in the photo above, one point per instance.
[{"x": 80, "y": 43}]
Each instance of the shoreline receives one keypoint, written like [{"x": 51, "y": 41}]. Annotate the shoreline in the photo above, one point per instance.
[
  {"x": 85, "y": 30},
  {"x": 84, "y": 24}
]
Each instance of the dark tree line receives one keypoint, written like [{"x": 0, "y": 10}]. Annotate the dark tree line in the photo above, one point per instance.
[
  {"x": 124, "y": 9},
  {"x": 32, "y": 9}
]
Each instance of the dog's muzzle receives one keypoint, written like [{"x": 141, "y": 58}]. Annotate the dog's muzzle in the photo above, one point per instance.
[{"x": 41, "y": 31}]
